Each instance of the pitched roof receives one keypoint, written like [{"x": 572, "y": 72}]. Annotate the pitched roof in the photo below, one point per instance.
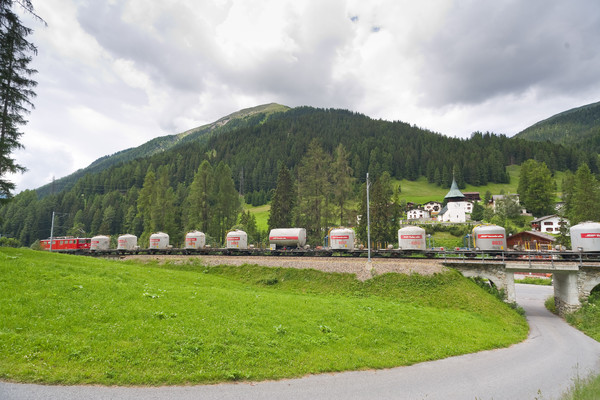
[
  {"x": 536, "y": 234},
  {"x": 454, "y": 191},
  {"x": 540, "y": 219}
]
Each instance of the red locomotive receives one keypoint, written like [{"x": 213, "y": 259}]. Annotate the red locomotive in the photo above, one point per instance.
[{"x": 66, "y": 244}]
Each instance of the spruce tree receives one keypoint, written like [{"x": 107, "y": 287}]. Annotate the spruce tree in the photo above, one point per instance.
[
  {"x": 314, "y": 187},
  {"x": 16, "y": 87},
  {"x": 343, "y": 182},
  {"x": 585, "y": 197},
  {"x": 199, "y": 200},
  {"x": 283, "y": 201}
]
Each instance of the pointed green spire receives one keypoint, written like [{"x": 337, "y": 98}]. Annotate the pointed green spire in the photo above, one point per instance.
[{"x": 454, "y": 192}]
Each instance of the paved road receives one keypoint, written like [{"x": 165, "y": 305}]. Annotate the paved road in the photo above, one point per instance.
[{"x": 542, "y": 367}]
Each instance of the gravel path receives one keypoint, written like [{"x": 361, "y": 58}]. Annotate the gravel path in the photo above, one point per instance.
[{"x": 360, "y": 267}]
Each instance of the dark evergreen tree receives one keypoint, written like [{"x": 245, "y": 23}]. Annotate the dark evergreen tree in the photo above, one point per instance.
[
  {"x": 199, "y": 200},
  {"x": 313, "y": 191},
  {"x": 536, "y": 188},
  {"x": 585, "y": 197},
  {"x": 226, "y": 205},
  {"x": 343, "y": 183},
  {"x": 16, "y": 87},
  {"x": 283, "y": 201}
]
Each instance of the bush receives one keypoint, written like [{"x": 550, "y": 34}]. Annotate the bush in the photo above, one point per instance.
[{"x": 9, "y": 242}]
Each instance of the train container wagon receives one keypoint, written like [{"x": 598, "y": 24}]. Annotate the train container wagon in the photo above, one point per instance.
[
  {"x": 585, "y": 237},
  {"x": 195, "y": 240},
  {"x": 412, "y": 238},
  {"x": 100, "y": 243},
  {"x": 342, "y": 239},
  {"x": 237, "y": 240},
  {"x": 287, "y": 237},
  {"x": 489, "y": 237}
]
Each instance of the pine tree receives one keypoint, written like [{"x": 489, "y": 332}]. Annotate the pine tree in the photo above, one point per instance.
[
  {"x": 16, "y": 87},
  {"x": 226, "y": 202},
  {"x": 343, "y": 181},
  {"x": 199, "y": 201},
  {"x": 313, "y": 191},
  {"x": 536, "y": 188},
  {"x": 144, "y": 204},
  {"x": 585, "y": 197},
  {"x": 283, "y": 201}
]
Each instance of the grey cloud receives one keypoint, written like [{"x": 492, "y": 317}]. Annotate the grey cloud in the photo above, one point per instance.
[
  {"x": 487, "y": 49},
  {"x": 179, "y": 58},
  {"x": 320, "y": 37}
]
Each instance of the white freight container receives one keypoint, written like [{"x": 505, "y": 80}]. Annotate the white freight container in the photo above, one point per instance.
[
  {"x": 489, "y": 237},
  {"x": 282, "y": 237},
  {"x": 159, "y": 241},
  {"x": 585, "y": 236},
  {"x": 412, "y": 238},
  {"x": 195, "y": 240},
  {"x": 99, "y": 243},
  {"x": 127, "y": 242},
  {"x": 237, "y": 240},
  {"x": 341, "y": 239}
]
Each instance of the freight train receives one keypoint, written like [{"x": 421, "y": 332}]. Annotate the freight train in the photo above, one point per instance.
[{"x": 490, "y": 240}]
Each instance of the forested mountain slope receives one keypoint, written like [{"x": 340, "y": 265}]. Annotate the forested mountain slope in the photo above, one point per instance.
[
  {"x": 245, "y": 117},
  {"x": 579, "y": 127},
  {"x": 135, "y": 193}
]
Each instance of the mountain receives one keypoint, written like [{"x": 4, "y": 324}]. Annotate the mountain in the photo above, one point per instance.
[
  {"x": 244, "y": 152},
  {"x": 236, "y": 120},
  {"x": 579, "y": 127}
]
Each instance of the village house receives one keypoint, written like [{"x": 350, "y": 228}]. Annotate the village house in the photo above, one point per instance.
[
  {"x": 417, "y": 213},
  {"x": 434, "y": 207},
  {"x": 530, "y": 240},
  {"x": 548, "y": 224}
]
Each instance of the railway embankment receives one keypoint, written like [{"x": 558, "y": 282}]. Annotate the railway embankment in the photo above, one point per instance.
[{"x": 358, "y": 266}]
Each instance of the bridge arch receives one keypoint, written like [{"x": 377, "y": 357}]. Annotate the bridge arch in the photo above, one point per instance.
[{"x": 593, "y": 289}]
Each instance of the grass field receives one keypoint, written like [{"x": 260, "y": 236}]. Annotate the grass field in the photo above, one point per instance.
[{"x": 68, "y": 319}]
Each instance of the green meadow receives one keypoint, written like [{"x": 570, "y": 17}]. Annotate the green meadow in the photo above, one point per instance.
[{"x": 79, "y": 320}]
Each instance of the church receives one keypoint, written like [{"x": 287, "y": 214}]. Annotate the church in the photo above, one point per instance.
[{"x": 457, "y": 206}]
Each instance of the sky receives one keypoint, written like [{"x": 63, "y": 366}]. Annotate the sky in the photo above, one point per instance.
[{"x": 114, "y": 74}]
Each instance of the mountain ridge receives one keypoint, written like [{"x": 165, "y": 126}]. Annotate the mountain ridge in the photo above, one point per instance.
[
  {"x": 579, "y": 126},
  {"x": 163, "y": 143}
]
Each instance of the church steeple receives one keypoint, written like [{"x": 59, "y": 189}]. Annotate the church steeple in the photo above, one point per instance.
[{"x": 454, "y": 194}]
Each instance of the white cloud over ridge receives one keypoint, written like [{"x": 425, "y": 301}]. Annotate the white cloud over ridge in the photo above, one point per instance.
[{"x": 118, "y": 73}]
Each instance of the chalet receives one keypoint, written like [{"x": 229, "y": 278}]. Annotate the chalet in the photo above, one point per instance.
[
  {"x": 472, "y": 196},
  {"x": 530, "y": 240},
  {"x": 548, "y": 224},
  {"x": 417, "y": 213}
]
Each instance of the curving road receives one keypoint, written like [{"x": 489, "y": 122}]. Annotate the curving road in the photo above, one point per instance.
[{"x": 542, "y": 367}]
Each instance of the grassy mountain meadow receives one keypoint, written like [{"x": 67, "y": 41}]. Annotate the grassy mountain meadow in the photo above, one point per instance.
[{"x": 80, "y": 320}]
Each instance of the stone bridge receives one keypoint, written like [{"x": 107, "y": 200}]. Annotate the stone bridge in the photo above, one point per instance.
[{"x": 572, "y": 281}]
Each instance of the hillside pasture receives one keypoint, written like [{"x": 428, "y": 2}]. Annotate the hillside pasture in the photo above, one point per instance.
[{"x": 79, "y": 320}]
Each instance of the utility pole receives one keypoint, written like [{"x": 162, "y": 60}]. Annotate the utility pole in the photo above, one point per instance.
[
  {"x": 368, "y": 221},
  {"x": 52, "y": 232}
]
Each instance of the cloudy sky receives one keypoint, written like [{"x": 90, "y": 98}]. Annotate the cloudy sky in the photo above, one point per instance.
[{"x": 114, "y": 74}]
